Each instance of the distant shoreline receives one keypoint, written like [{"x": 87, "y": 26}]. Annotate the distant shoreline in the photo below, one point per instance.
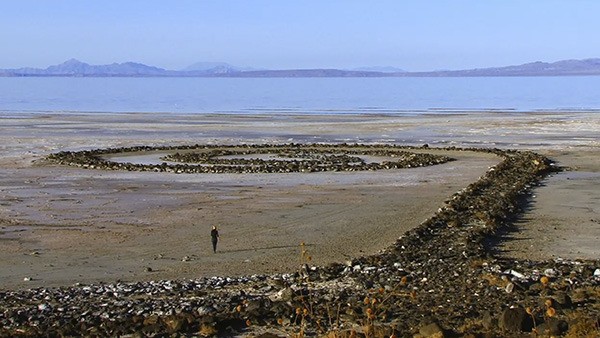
[
  {"x": 292, "y": 114},
  {"x": 302, "y": 74},
  {"x": 76, "y": 68}
]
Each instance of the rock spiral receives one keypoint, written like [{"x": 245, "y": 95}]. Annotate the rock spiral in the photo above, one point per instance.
[
  {"x": 439, "y": 279},
  {"x": 288, "y": 158}
]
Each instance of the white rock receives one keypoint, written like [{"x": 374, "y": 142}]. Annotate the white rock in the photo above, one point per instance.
[
  {"x": 509, "y": 288},
  {"x": 517, "y": 274},
  {"x": 597, "y": 273},
  {"x": 550, "y": 273},
  {"x": 356, "y": 268}
]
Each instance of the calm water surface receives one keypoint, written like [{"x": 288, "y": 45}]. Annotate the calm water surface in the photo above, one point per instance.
[{"x": 298, "y": 95}]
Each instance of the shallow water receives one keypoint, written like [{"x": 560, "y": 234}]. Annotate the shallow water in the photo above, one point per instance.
[{"x": 281, "y": 96}]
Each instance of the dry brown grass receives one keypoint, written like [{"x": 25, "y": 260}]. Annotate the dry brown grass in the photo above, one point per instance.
[
  {"x": 582, "y": 326},
  {"x": 370, "y": 331},
  {"x": 494, "y": 280}
]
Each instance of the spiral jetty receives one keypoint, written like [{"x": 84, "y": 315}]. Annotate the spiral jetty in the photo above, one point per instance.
[
  {"x": 291, "y": 158},
  {"x": 440, "y": 279}
]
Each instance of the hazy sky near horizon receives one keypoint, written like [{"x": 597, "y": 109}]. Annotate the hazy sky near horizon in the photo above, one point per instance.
[{"x": 413, "y": 35}]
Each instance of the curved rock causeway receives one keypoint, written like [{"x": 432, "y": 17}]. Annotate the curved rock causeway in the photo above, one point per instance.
[{"x": 288, "y": 158}]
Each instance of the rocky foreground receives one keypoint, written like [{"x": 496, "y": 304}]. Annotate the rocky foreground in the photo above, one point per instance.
[{"x": 441, "y": 279}]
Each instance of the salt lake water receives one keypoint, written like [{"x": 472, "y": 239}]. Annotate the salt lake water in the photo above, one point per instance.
[{"x": 298, "y": 95}]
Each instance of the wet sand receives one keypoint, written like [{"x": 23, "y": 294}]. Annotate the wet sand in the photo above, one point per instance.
[
  {"x": 563, "y": 219},
  {"x": 63, "y": 225}
]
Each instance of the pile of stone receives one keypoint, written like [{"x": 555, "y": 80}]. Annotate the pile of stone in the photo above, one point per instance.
[{"x": 438, "y": 280}]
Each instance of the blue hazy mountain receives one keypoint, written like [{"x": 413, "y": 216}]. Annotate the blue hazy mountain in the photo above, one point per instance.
[
  {"x": 379, "y": 69},
  {"x": 215, "y": 68},
  {"x": 76, "y": 68},
  {"x": 559, "y": 68}
]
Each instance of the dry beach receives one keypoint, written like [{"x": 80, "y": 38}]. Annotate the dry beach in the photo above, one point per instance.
[{"x": 62, "y": 225}]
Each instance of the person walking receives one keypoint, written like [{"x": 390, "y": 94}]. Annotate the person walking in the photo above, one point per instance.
[{"x": 214, "y": 234}]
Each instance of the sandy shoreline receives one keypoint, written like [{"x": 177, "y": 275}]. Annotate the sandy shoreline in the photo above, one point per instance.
[{"x": 62, "y": 225}]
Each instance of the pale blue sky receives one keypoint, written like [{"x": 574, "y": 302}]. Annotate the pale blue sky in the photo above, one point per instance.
[{"x": 413, "y": 35}]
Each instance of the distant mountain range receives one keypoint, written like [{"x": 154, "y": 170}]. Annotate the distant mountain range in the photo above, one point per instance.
[
  {"x": 76, "y": 68},
  {"x": 215, "y": 68},
  {"x": 380, "y": 69},
  {"x": 559, "y": 68}
]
